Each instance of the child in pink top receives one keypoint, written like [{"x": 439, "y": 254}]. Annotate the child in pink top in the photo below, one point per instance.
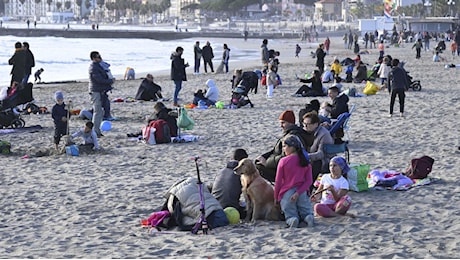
[{"x": 293, "y": 179}]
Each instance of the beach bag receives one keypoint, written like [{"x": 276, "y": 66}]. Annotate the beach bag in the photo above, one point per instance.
[
  {"x": 5, "y": 147},
  {"x": 419, "y": 168},
  {"x": 184, "y": 121},
  {"x": 371, "y": 88},
  {"x": 72, "y": 150},
  {"x": 162, "y": 131},
  {"x": 148, "y": 134},
  {"x": 357, "y": 177}
]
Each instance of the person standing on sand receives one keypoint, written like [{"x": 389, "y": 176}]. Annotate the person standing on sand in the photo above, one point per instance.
[
  {"x": 264, "y": 53},
  {"x": 397, "y": 85},
  {"x": 208, "y": 55},
  {"x": 297, "y": 50},
  {"x": 198, "y": 53},
  {"x": 18, "y": 60},
  {"x": 320, "y": 54},
  {"x": 30, "y": 62},
  {"x": 99, "y": 84},
  {"x": 178, "y": 72},
  {"x": 226, "y": 57}
]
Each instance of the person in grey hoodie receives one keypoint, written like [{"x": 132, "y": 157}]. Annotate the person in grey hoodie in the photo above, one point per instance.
[{"x": 227, "y": 185}]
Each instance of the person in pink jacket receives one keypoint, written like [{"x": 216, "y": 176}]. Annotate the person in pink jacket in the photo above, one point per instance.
[
  {"x": 327, "y": 44},
  {"x": 293, "y": 180}
]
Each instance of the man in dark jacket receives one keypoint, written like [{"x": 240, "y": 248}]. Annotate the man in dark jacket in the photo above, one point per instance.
[
  {"x": 148, "y": 90},
  {"x": 99, "y": 84},
  {"x": 30, "y": 62},
  {"x": 227, "y": 185},
  {"x": 320, "y": 54},
  {"x": 178, "y": 72},
  {"x": 267, "y": 163},
  {"x": 198, "y": 53},
  {"x": 18, "y": 60},
  {"x": 397, "y": 85},
  {"x": 208, "y": 55},
  {"x": 339, "y": 102}
]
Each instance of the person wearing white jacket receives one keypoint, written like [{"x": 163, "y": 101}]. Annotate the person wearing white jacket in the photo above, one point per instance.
[
  {"x": 384, "y": 71},
  {"x": 211, "y": 95}
]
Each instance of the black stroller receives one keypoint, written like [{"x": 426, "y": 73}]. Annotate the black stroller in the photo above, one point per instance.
[
  {"x": 240, "y": 97},
  {"x": 413, "y": 84},
  {"x": 9, "y": 114}
]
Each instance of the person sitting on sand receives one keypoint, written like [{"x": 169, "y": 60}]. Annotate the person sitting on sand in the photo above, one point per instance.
[
  {"x": 149, "y": 90},
  {"x": 438, "y": 58},
  {"x": 89, "y": 136},
  {"x": 316, "y": 88},
  {"x": 210, "y": 96},
  {"x": 268, "y": 162},
  {"x": 227, "y": 185},
  {"x": 361, "y": 73},
  {"x": 333, "y": 190},
  {"x": 161, "y": 112}
]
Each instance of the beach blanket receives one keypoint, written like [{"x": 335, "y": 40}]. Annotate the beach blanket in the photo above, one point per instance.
[
  {"x": 393, "y": 180},
  {"x": 185, "y": 139},
  {"x": 28, "y": 129}
]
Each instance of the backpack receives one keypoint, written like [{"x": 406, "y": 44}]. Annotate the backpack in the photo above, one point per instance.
[
  {"x": 419, "y": 168},
  {"x": 5, "y": 147},
  {"x": 162, "y": 131}
]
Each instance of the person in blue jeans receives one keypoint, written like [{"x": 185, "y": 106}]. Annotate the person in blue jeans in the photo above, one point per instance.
[
  {"x": 293, "y": 180},
  {"x": 178, "y": 72}
]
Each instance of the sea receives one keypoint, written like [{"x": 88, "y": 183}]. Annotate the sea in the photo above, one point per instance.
[{"x": 67, "y": 59}]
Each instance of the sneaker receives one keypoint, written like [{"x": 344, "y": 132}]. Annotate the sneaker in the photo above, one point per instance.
[
  {"x": 390, "y": 115},
  {"x": 310, "y": 220},
  {"x": 100, "y": 135},
  {"x": 293, "y": 222},
  {"x": 401, "y": 115}
]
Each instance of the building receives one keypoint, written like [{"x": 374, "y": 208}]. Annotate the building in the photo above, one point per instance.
[{"x": 328, "y": 10}]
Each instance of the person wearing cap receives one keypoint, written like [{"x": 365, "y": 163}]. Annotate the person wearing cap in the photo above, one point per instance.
[
  {"x": 292, "y": 183},
  {"x": 268, "y": 162},
  {"x": 227, "y": 185},
  {"x": 333, "y": 190},
  {"x": 60, "y": 115}
]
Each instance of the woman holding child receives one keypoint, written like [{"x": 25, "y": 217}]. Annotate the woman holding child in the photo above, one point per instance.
[{"x": 333, "y": 190}]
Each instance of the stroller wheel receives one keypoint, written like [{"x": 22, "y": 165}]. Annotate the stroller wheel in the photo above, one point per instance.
[
  {"x": 18, "y": 123},
  {"x": 416, "y": 86}
]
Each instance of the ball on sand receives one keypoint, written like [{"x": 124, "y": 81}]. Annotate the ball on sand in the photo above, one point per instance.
[
  {"x": 233, "y": 215},
  {"x": 106, "y": 125}
]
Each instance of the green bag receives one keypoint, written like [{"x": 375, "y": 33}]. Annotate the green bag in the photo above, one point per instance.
[
  {"x": 357, "y": 177},
  {"x": 5, "y": 147},
  {"x": 184, "y": 121}
]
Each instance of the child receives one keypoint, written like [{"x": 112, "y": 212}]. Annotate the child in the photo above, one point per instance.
[
  {"x": 89, "y": 136},
  {"x": 60, "y": 116},
  {"x": 293, "y": 179},
  {"x": 325, "y": 109},
  {"x": 453, "y": 48},
  {"x": 272, "y": 81},
  {"x": 437, "y": 57},
  {"x": 37, "y": 75},
  {"x": 333, "y": 190},
  {"x": 384, "y": 71},
  {"x": 336, "y": 67},
  {"x": 381, "y": 48},
  {"x": 418, "y": 48},
  {"x": 129, "y": 74},
  {"x": 297, "y": 50}
]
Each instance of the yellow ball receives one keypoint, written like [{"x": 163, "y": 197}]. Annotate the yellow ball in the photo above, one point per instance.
[{"x": 233, "y": 215}]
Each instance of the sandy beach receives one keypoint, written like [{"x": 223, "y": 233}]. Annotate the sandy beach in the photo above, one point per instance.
[{"x": 90, "y": 206}]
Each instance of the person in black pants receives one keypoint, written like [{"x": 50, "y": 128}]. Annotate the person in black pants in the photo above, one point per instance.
[{"x": 397, "y": 85}]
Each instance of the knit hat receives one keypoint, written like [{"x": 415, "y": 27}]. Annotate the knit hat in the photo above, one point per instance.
[
  {"x": 342, "y": 163},
  {"x": 288, "y": 116},
  {"x": 239, "y": 154},
  {"x": 58, "y": 95}
]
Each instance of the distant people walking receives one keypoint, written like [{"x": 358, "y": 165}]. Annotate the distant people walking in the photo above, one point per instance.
[
  {"x": 28, "y": 23},
  {"x": 197, "y": 52},
  {"x": 99, "y": 84},
  {"x": 208, "y": 55},
  {"x": 30, "y": 62},
  {"x": 418, "y": 48},
  {"x": 178, "y": 72},
  {"x": 18, "y": 60},
  {"x": 246, "y": 35}
]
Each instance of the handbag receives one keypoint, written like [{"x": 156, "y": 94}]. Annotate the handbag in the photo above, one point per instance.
[{"x": 357, "y": 177}]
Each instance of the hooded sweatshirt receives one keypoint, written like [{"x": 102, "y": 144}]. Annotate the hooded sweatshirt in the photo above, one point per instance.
[{"x": 213, "y": 92}]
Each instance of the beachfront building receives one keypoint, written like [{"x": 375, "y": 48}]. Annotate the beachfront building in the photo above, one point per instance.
[
  {"x": 328, "y": 10},
  {"x": 48, "y": 11}
]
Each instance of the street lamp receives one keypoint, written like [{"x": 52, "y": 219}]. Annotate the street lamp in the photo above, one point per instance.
[{"x": 450, "y": 3}]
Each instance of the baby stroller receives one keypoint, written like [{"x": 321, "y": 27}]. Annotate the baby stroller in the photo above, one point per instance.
[
  {"x": 240, "y": 97},
  {"x": 413, "y": 84},
  {"x": 9, "y": 114}
]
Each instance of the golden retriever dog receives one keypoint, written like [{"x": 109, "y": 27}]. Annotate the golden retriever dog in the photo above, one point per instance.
[{"x": 257, "y": 192}]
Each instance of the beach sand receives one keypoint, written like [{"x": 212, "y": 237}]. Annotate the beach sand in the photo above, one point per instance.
[{"x": 90, "y": 206}]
